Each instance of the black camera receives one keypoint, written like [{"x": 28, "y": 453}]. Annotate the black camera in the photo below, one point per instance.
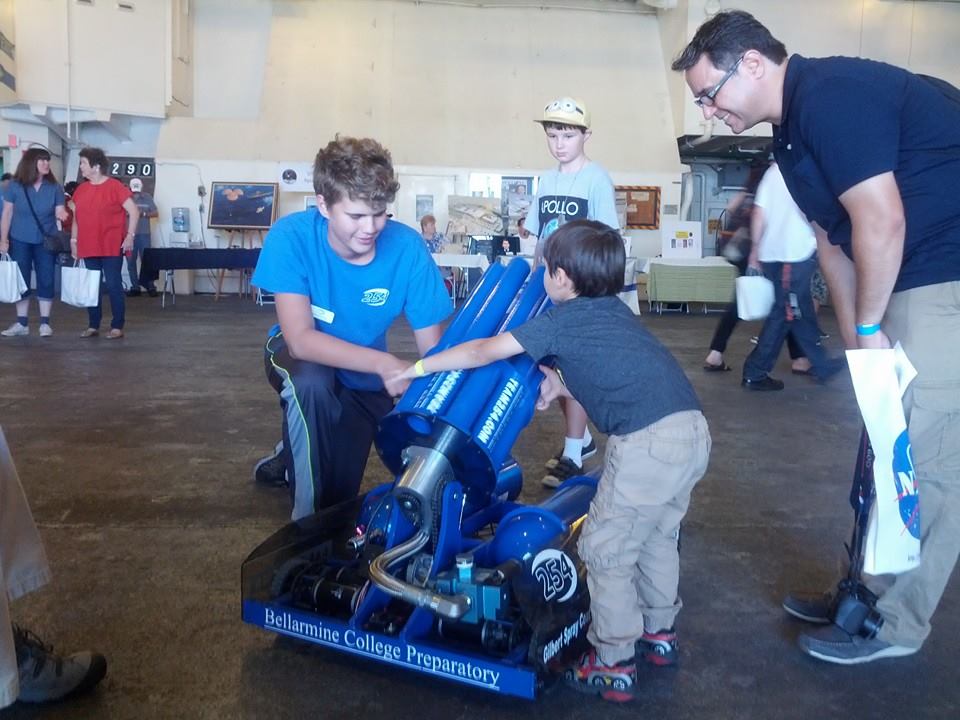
[{"x": 855, "y": 609}]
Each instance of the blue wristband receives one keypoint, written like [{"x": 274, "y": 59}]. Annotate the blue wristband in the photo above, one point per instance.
[{"x": 870, "y": 329}]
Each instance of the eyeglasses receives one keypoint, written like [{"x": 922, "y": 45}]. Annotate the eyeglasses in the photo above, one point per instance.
[{"x": 706, "y": 100}]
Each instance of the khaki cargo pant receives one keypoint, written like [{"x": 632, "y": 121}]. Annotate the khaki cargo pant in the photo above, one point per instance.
[
  {"x": 23, "y": 565},
  {"x": 629, "y": 539},
  {"x": 926, "y": 321}
]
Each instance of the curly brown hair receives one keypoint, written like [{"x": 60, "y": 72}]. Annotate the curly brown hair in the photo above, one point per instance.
[
  {"x": 360, "y": 168},
  {"x": 95, "y": 156}
]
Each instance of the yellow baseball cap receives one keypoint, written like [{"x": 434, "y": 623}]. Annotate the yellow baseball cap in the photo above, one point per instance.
[{"x": 566, "y": 111}]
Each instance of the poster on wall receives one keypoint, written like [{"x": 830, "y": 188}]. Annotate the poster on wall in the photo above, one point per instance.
[
  {"x": 474, "y": 216},
  {"x": 242, "y": 206},
  {"x": 424, "y": 206},
  {"x": 295, "y": 177},
  {"x": 516, "y": 195}
]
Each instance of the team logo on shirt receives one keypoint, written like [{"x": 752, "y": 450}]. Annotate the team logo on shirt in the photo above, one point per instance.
[{"x": 375, "y": 297}]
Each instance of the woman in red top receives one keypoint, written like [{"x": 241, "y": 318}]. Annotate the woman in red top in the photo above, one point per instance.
[{"x": 101, "y": 208}]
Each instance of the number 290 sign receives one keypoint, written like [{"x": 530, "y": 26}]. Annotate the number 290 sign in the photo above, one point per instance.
[
  {"x": 131, "y": 167},
  {"x": 125, "y": 169}
]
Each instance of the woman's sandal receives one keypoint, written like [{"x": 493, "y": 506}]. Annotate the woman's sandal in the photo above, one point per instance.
[
  {"x": 114, "y": 334},
  {"x": 722, "y": 367},
  {"x": 89, "y": 332}
]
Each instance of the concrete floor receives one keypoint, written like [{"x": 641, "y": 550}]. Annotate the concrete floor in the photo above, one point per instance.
[{"x": 136, "y": 456}]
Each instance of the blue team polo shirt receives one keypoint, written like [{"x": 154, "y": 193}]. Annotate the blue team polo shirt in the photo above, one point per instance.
[
  {"x": 846, "y": 120},
  {"x": 23, "y": 228},
  {"x": 356, "y": 303}
]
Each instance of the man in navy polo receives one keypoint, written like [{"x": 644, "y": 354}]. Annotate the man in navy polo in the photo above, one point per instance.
[{"x": 871, "y": 154}]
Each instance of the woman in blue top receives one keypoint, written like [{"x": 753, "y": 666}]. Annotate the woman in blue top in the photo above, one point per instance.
[{"x": 33, "y": 184}]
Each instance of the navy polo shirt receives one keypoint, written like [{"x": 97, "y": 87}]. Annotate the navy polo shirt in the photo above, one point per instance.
[{"x": 846, "y": 120}]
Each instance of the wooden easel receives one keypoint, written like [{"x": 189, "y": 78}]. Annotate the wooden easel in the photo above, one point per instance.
[{"x": 247, "y": 238}]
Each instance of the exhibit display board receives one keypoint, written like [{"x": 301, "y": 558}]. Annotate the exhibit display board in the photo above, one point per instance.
[{"x": 681, "y": 239}]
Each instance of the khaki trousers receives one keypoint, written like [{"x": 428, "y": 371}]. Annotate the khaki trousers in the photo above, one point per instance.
[
  {"x": 23, "y": 565},
  {"x": 926, "y": 321},
  {"x": 630, "y": 536}
]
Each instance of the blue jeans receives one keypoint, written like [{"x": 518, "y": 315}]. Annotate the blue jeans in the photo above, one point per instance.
[
  {"x": 110, "y": 268},
  {"x": 34, "y": 256},
  {"x": 140, "y": 243},
  {"x": 792, "y": 313}
]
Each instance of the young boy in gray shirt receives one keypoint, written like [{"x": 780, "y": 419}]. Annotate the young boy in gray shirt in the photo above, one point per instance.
[{"x": 658, "y": 447}]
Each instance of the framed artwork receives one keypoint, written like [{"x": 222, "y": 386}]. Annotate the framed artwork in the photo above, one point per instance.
[
  {"x": 640, "y": 205},
  {"x": 516, "y": 195},
  {"x": 242, "y": 206},
  {"x": 310, "y": 201},
  {"x": 424, "y": 205}
]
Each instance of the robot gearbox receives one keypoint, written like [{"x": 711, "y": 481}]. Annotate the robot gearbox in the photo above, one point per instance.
[{"x": 442, "y": 571}]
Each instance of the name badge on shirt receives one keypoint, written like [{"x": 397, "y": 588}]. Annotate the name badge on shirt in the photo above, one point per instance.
[{"x": 322, "y": 314}]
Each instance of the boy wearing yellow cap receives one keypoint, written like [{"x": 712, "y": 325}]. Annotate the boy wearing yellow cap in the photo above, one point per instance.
[{"x": 577, "y": 189}]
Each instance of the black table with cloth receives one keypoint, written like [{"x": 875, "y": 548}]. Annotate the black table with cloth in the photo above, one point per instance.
[{"x": 156, "y": 259}]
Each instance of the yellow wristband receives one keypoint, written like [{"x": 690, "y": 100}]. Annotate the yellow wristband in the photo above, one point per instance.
[{"x": 418, "y": 369}]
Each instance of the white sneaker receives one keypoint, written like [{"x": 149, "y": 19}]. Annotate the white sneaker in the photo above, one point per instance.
[
  {"x": 16, "y": 330},
  {"x": 46, "y": 330}
]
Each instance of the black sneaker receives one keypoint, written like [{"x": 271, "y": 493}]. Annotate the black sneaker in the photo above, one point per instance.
[
  {"x": 45, "y": 677},
  {"x": 659, "y": 648},
  {"x": 133, "y": 292},
  {"x": 588, "y": 451},
  {"x": 565, "y": 469},
  {"x": 152, "y": 292},
  {"x": 810, "y": 607},
  {"x": 766, "y": 383},
  {"x": 272, "y": 469}
]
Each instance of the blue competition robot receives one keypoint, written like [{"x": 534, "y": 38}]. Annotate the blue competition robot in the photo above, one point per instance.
[{"x": 441, "y": 570}]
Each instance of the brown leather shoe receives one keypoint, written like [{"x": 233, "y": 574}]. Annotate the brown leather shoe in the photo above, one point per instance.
[
  {"x": 89, "y": 332},
  {"x": 114, "y": 334}
]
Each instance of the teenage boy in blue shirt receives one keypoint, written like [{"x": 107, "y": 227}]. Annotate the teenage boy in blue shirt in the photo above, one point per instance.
[
  {"x": 870, "y": 153},
  {"x": 578, "y": 189},
  {"x": 657, "y": 450},
  {"x": 341, "y": 274}
]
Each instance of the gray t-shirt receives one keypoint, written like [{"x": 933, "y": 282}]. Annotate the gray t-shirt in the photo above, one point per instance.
[
  {"x": 562, "y": 197},
  {"x": 145, "y": 204},
  {"x": 621, "y": 374}
]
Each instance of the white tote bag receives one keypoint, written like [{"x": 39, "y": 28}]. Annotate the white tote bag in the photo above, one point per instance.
[
  {"x": 79, "y": 286},
  {"x": 892, "y": 540},
  {"x": 754, "y": 297},
  {"x": 12, "y": 284}
]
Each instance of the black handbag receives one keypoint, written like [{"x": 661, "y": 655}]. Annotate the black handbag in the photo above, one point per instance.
[{"x": 56, "y": 242}]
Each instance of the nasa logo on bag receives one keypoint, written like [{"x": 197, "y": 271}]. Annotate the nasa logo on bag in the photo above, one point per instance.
[
  {"x": 906, "y": 481},
  {"x": 556, "y": 573},
  {"x": 375, "y": 297}
]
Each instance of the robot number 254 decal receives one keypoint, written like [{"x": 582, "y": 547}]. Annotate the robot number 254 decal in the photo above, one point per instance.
[{"x": 556, "y": 573}]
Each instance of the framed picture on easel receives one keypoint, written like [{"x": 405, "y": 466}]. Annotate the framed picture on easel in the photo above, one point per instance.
[{"x": 242, "y": 206}]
